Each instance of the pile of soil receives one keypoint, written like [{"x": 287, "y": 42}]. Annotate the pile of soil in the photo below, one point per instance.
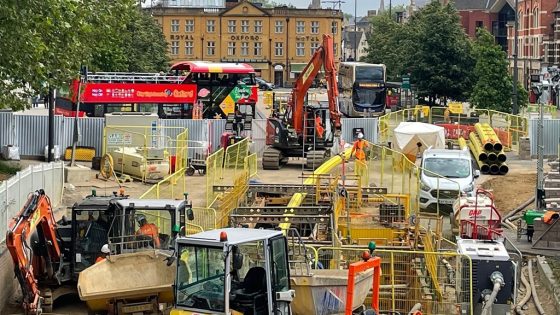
[{"x": 511, "y": 190}]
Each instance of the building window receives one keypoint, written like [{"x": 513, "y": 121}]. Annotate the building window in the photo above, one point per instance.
[
  {"x": 211, "y": 26},
  {"x": 174, "y": 26},
  {"x": 231, "y": 26},
  {"x": 279, "y": 27},
  {"x": 189, "y": 26},
  {"x": 279, "y": 49},
  {"x": 536, "y": 18},
  {"x": 210, "y": 48},
  {"x": 188, "y": 48},
  {"x": 334, "y": 27},
  {"x": 300, "y": 27},
  {"x": 314, "y": 46},
  {"x": 314, "y": 27},
  {"x": 300, "y": 49},
  {"x": 174, "y": 47},
  {"x": 244, "y": 49},
  {"x": 231, "y": 49},
  {"x": 257, "y": 49},
  {"x": 479, "y": 24},
  {"x": 244, "y": 26},
  {"x": 258, "y": 26},
  {"x": 335, "y": 48}
]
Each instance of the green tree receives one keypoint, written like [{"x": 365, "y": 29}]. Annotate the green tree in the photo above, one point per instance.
[
  {"x": 493, "y": 87},
  {"x": 127, "y": 40},
  {"x": 386, "y": 44},
  {"x": 440, "y": 59},
  {"x": 44, "y": 43}
]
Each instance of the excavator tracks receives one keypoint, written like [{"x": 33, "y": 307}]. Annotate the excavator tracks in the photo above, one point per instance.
[
  {"x": 314, "y": 159},
  {"x": 273, "y": 159}
]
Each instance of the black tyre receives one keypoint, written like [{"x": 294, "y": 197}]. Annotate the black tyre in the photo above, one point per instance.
[{"x": 190, "y": 171}]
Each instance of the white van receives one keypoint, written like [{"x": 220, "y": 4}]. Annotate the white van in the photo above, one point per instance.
[{"x": 445, "y": 174}]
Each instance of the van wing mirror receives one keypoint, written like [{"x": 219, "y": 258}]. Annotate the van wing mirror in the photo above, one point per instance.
[{"x": 476, "y": 173}]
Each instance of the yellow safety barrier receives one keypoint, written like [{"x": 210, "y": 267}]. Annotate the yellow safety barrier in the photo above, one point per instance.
[
  {"x": 172, "y": 187},
  {"x": 231, "y": 199},
  {"x": 206, "y": 218},
  {"x": 410, "y": 277},
  {"x": 509, "y": 128},
  {"x": 251, "y": 164},
  {"x": 146, "y": 153},
  {"x": 214, "y": 164}
]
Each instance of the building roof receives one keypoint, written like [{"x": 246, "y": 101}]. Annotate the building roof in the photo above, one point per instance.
[
  {"x": 462, "y": 5},
  {"x": 350, "y": 38}
]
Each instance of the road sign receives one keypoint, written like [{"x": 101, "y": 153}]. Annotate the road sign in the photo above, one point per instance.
[{"x": 406, "y": 82}]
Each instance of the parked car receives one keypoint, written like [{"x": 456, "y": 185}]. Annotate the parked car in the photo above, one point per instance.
[
  {"x": 459, "y": 174},
  {"x": 262, "y": 84}
]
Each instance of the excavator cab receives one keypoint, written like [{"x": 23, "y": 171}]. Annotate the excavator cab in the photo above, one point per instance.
[
  {"x": 91, "y": 219},
  {"x": 233, "y": 271}
]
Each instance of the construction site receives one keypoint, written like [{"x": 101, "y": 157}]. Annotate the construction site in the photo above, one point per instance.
[{"x": 422, "y": 210}]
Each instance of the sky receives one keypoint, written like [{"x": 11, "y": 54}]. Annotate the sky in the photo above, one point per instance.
[{"x": 347, "y": 6}]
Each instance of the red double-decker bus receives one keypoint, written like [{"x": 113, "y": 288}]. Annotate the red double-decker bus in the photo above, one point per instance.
[{"x": 215, "y": 89}]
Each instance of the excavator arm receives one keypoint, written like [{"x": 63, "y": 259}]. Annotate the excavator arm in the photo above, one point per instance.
[
  {"x": 36, "y": 217},
  {"x": 323, "y": 56}
]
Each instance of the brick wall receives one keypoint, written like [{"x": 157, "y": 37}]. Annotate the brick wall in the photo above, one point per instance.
[{"x": 469, "y": 19}]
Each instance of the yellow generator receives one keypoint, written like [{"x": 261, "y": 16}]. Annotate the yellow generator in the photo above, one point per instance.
[{"x": 146, "y": 164}]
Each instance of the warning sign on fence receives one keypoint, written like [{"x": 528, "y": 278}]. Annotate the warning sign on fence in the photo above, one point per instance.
[{"x": 119, "y": 138}]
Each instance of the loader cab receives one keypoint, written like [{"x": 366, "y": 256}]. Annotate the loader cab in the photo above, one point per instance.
[
  {"x": 233, "y": 271},
  {"x": 147, "y": 224}
]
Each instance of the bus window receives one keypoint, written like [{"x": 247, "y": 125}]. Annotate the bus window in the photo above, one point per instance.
[
  {"x": 369, "y": 73},
  {"x": 147, "y": 108}
]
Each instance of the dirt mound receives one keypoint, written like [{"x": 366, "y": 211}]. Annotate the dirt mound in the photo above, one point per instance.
[{"x": 511, "y": 190}]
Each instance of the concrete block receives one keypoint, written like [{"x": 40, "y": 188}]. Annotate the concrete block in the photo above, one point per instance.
[
  {"x": 77, "y": 174},
  {"x": 547, "y": 277}
]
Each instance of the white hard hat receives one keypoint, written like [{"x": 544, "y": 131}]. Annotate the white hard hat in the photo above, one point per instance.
[
  {"x": 105, "y": 249},
  {"x": 360, "y": 135},
  {"x": 140, "y": 217}
]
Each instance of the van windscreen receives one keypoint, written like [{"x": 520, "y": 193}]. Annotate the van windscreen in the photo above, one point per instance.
[{"x": 447, "y": 167}]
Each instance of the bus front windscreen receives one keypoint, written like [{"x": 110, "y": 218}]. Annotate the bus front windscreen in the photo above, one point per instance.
[
  {"x": 364, "y": 73},
  {"x": 368, "y": 96}
]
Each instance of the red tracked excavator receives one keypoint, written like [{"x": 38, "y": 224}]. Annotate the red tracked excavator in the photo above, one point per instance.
[{"x": 299, "y": 131}]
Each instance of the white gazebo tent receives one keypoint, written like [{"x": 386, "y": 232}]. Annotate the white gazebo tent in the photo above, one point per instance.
[{"x": 412, "y": 138}]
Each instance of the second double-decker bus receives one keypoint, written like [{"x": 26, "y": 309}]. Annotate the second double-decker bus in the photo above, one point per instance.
[
  {"x": 192, "y": 89},
  {"x": 362, "y": 89}
]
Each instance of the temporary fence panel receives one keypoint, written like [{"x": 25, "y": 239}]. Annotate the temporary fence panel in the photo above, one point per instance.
[
  {"x": 7, "y": 129},
  {"x": 234, "y": 160},
  {"x": 410, "y": 277},
  {"x": 14, "y": 191},
  {"x": 214, "y": 164},
  {"x": 369, "y": 125},
  {"x": 551, "y": 136}
]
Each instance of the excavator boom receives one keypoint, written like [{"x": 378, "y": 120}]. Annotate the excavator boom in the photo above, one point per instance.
[
  {"x": 323, "y": 56},
  {"x": 36, "y": 217}
]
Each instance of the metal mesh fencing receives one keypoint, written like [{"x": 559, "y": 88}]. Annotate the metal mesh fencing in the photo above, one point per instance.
[
  {"x": 234, "y": 160},
  {"x": 440, "y": 281}
]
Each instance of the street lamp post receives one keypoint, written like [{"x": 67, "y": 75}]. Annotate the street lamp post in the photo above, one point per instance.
[
  {"x": 355, "y": 30},
  {"x": 515, "y": 107}
]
